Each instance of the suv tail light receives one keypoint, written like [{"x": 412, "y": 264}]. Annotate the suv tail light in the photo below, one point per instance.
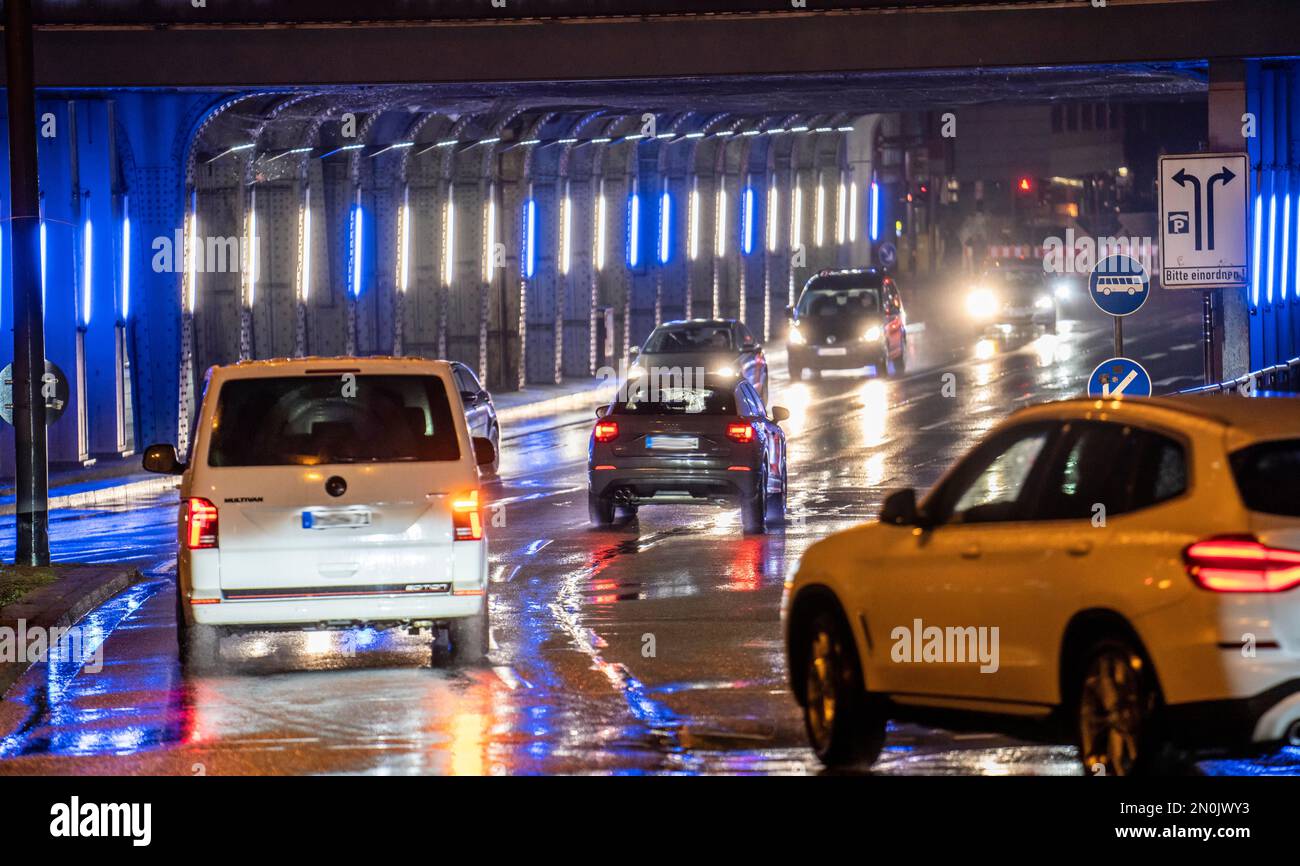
[
  {"x": 1240, "y": 563},
  {"x": 200, "y": 524},
  {"x": 742, "y": 433},
  {"x": 466, "y": 523},
  {"x": 606, "y": 431}
]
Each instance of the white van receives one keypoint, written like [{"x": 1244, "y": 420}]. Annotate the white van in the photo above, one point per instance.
[{"x": 331, "y": 493}]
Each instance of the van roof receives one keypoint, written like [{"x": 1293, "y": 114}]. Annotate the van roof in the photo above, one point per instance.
[{"x": 335, "y": 364}]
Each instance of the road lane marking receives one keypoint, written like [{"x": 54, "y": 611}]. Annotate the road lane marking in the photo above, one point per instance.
[{"x": 510, "y": 678}]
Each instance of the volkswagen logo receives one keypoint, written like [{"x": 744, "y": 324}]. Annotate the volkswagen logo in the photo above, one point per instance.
[
  {"x": 830, "y": 339},
  {"x": 336, "y": 486}
]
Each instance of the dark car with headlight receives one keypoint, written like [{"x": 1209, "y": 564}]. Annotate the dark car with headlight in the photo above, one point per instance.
[
  {"x": 845, "y": 320},
  {"x": 722, "y": 346},
  {"x": 1013, "y": 297},
  {"x": 688, "y": 440}
]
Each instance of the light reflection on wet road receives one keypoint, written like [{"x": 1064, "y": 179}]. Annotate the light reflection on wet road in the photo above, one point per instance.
[{"x": 650, "y": 647}]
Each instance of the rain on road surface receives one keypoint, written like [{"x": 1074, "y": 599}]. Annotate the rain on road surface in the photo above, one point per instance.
[{"x": 571, "y": 687}]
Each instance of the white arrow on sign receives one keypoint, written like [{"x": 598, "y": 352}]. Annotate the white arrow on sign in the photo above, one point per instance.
[{"x": 1108, "y": 391}]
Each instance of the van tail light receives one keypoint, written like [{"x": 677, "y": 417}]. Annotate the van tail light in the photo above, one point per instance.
[
  {"x": 606, "y": 431},
  {"x": 742, "y": 433},
  {"x": 467, "y": 524},
  {"x": 1240, "y": 563},
  {"x": 200, "y": 524}
]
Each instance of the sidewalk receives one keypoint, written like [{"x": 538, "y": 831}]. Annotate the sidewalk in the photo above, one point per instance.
[
  {"x": 73, "y": 490},
  {"x": 116, "y": 482},
  {"x": 67, "y": 593}
]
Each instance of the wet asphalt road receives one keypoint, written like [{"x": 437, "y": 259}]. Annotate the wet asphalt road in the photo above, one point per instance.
[{"x": 653, "y": 646}]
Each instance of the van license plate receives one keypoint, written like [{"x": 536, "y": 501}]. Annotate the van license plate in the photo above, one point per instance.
[
  {"x": 672, "y": 443},
  {"x": 837, "y": 351},
  {"x": 335, "y": 519}
]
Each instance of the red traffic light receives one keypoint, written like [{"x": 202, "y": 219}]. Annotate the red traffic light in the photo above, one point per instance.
[{"x": 1025, "y": 185}]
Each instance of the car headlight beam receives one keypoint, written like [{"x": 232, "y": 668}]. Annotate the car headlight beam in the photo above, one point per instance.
[{"x": 981, "y": 304}]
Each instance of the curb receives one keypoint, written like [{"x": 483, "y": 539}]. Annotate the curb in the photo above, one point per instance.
[{"x": 52, "y": 607}]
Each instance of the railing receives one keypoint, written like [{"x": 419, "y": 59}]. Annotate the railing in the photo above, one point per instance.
[{"x": 1279, "y": 378}]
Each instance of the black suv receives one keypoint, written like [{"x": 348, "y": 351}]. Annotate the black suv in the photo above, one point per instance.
[{"x": 847, "y": 319}]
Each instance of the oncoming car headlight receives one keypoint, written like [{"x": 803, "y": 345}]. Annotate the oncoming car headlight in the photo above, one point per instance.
[
  {"x": 981, "y": 304},
  {"x": 872, "y": 334},
  {"x": 725, "y": 371},
  {"x": 1043, "y": 302},
  {"x": 795, "y": 337}
]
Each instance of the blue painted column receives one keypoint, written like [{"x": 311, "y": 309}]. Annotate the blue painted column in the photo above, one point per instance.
[{"x": 1273, "y": 97}]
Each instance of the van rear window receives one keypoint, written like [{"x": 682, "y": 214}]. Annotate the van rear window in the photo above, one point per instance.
[
  {"x": 314, "y": 420},
  {"x": 1268, "y": 477}
]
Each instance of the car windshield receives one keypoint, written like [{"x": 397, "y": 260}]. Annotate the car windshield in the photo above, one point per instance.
[
  {"x": 1016, "y": 280},
  {"x": 644, "y": 399},
  {"x": 312, "y": 420},
  {"x": 690, "y": 338},
  {"x": 1268, "y": 475},
  {"x": 839, "y": 301}
]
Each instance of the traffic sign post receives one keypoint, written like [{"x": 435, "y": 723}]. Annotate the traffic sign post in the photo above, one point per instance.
[
  {"x": 31, "y": 471},
  {"x": 1204, "y": 229},
  {"x": 1116, "y": 378}
]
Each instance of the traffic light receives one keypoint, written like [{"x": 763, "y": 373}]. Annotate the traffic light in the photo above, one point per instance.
[{"x": 1025, "y": 185}]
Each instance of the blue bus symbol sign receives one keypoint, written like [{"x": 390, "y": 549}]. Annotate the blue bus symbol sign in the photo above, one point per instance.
[
  {"x": 1119, "y": 285},
  {"x": 1117, "y": 378}
]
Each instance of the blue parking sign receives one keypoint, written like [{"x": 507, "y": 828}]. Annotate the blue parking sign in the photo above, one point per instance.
[
  {"x": 1118, "y": 378},
  {"x": 1119, "y": 285}
]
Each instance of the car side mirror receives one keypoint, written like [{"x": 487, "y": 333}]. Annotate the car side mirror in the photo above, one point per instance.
[
  {"x": 634, "y": 351},
  {"x": 789, "y": 312},
  {"x": 162, "y": 459},
  {"x": 780, "y": 413},
  {"x": 469, "y": 398},
  {"x": 484, "y": 451},
  {"x": 899, "y": 508},
  {"x": 602, "y": 411}
]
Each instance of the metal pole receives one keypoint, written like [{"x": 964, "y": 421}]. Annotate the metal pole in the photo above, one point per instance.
[
  {"x": 33, "y": 543},
  {"x": 1210, "y": 300},
  {"x": 1119, "y": 336}
]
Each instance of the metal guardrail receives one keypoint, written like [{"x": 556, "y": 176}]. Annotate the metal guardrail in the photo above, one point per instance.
[{"x": 1279, "y": 378}]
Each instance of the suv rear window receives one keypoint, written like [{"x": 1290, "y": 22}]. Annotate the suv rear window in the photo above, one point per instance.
[
  {"x": 1268, "y": 477},
  {"x": 312, "y": 420},
  {"x": 673, "y": 400}
]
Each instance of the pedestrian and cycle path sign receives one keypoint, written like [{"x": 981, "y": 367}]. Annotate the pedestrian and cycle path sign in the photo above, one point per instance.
[
  {"x": 1204, "y": 220},
  {"x": 1116, "y": 378}
]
